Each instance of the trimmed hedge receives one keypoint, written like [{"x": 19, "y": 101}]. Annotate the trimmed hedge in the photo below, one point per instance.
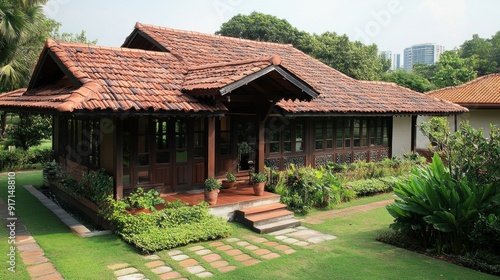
[
  {"x": 370, "y": 187},
  {"x": 176, "y": 225}
]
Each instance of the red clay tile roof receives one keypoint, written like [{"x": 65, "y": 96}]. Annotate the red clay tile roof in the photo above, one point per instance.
[
  {"x": 484, "y": 90},
  {"x": 338, "y": 92},
  {"x": 116, "y": 79}
]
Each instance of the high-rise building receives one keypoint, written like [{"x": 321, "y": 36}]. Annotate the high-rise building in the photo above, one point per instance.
[
  {"x": 395, "y": 59},
  {"x": 422, "y": 53}
]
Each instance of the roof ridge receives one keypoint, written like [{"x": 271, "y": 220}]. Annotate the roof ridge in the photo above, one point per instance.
[
  {"x": 138, "y": 25},
  {"x": 273, "y": 60},
  {"x": 476, "y": 80}
]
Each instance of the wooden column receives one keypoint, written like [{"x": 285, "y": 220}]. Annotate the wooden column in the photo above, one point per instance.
[
  {"x": 118, "y": 158},
  {"x": 211, "y": 148}
]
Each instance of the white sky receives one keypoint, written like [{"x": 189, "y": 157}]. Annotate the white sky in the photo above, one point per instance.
[{"x": 391, "y": 24}]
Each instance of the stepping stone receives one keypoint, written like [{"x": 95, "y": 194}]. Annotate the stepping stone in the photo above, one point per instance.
[
  {"x": 195, "y": 269},
  {"x": 316, "y": 240},
  {"x": 41, "y": 269},
  {"x": 271, "y": 256},
  {"x": 52, "y": 276},
  {"x": 135, "y": 276},
  {"x": 196, "y": 248},
  {"x": 234, "y": 252},
  {"x": 301, "y": 243},
  {"x": 283, "y": 247},
  {"x": 188, "y": 262},
  {"x": 281, "y": 237},
  {"x": 251, "y": 236},
  {"x": 161, "y": 269},
  {"x": 29, "y": 247},
  {"x": 224, "y": 248},
  {"x": 154, "y": 264},
  {"x": 205, "y": 274},
  {"x": 261, "y": 252},
  {"x": 35, "y": 260},
  {"x": 180, "y": 257},
  {"x": 30, "y": 254},
  {"x": 271, "y": 244},
  {"x": 152, "y": 257},
  {"x": 126, "y": 271},
  {"x": 243, "y": 243},
  {"x": 219, "y": 264},
  {"x": 170, "y": 275},
  {"x": 227, "y": 269},
  {"x": 252, "y": 247},
  {"x": 211, "y": 257},
  {"x": 203, "y": 252},
  {"x": 290, "y": 240},
  {"x": 234, "y": 239},
  {"x": 283, "y": 231},
  {"x": 250, "y": 262},
  {"x": 216, "y": 244},
  {"x": 174, "y": 252},
  {"x": 117, "y": 266},
  {"x": 242, "y": 257},
  {"x": 260, "y": 240}
]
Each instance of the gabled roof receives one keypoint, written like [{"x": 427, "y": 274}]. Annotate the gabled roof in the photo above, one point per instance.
[
  {"x": 179, "y": 69},
  {"x": 481, "y": 92},
  {"x": 338, "y": 93},
  {"x": 102, "y": 78}
]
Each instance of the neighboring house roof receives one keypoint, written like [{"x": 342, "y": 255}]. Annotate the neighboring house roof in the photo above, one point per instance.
[
  {"x": 179, "y": 66},
  {"x": 481, "y": 92}
]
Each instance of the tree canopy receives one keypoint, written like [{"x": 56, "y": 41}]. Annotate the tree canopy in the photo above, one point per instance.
[{"x": 353, "y": 58}]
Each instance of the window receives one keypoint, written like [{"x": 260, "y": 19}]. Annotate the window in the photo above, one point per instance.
[
  {"x": 225, "y": 136},
  {"x": 318, "y": 135},
  {"x": 162, "y": 141},
  {"x": 199, "y": 138},
  {"x": 360, "y": 133},
  {"x": 287, "y": 140},
  {"x": 299, "y": 137},
  {"x": 142, "y": 142},
  {"x": 329, "y": 134},
  {"x": 83, "y": 141},
  {"x": 181, "y": 141}
]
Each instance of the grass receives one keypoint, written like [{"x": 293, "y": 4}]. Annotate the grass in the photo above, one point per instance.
[{"x": 353, "y": 255}]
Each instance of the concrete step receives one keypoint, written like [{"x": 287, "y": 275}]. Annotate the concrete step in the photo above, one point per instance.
[
  {"x": 266, "y": 218},
  {"x": 279, "y": 225}
]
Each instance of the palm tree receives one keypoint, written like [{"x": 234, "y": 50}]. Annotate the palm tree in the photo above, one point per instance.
[{"x": 22, "y": 33}]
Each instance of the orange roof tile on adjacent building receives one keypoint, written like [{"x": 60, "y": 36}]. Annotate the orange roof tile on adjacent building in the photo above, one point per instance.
[
  {"x": 337, "y": 92},
  {"x": 482, "y": 91}
]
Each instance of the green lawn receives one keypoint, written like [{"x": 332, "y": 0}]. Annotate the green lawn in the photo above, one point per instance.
[{"x": 353, "y": 255}]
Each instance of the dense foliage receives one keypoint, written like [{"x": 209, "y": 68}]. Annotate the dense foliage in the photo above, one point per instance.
[
  {"x": 409, "y": 80},
  {"x": 176, "y": 225},
  {"x": 350, "y": 57},
  {"x": 20, "y": 159},
  {"x": 29, "y": 131}
]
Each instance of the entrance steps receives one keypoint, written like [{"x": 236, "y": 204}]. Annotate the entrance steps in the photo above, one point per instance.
[{"x": 266, "y": 218}]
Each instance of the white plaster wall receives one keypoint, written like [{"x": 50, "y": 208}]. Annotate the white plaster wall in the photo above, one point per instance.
[
  {"x": 478, "y": 118},
  {"x": 401, "y": 136}
]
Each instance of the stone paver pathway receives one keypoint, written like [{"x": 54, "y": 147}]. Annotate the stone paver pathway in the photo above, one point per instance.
[
  {"x": 223, "y": 255},
  {"x": 38, "y": 266}
]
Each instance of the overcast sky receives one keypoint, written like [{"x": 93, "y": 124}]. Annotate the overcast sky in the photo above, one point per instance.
[{"x": 391, "y": 24}]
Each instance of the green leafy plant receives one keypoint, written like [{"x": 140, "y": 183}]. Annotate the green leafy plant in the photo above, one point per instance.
[
  {"x": 140, "y": 199},
  {"x": 438, "y": 211},
  {"x": 230, "y": 177},
  {"x": 258, "y": 177},
  {"x": 100, "y": 184},
  {"x": 212, "y": 184}
]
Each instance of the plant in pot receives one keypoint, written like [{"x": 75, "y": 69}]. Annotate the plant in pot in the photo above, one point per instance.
[
  {"x": 229, "y": 182},
  {"x": 259, "y": 180},
  {"x": 141, "y": 201},
  {"x": 212, "y": 188}
]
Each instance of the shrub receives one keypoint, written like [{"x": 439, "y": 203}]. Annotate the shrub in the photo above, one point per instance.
[
  {"x": 140, "y": 199},
  {"x": 485, "y": 234},
  {"x": 20, "y": 159},
  {"x": 370, "y": 187},
  {"x": 230, "y": 177},
  {"x": 439, "y": 211},
  {"x": 176, "y": 225},
  {"x": 100, "y": 184}
]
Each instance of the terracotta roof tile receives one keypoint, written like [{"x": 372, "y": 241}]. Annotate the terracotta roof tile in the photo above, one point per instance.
[
  {"x": 338, "y": 92},
  {"x": 484, "y": 90}
]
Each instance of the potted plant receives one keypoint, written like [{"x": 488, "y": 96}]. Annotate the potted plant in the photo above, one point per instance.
[
  {"x": 229, "y": 182},
  {"x": 141, "y": 201},
  {"x": 212, "y": 188},
  {"x": 259, "y": 180}
]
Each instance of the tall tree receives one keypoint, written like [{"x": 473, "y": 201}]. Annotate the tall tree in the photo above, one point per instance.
[
  {"x": 452, "y": 70},
  {"x": 352, "y": 58},
  {"x": 481, "y": 52},
  {"x": 408, "y": 80}
]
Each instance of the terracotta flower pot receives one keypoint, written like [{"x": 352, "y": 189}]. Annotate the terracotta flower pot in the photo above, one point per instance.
[
  {"x": 258, "y": 188},
  {"x": 211, "y": 196},
  {"x": 228, "y": 185}
]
